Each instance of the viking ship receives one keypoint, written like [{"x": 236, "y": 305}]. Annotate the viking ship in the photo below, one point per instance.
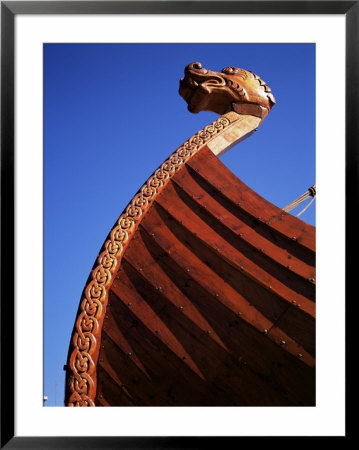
[{"x": 203, "y": 293}]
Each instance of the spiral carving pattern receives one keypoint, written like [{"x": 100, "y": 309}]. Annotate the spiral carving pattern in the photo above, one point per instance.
[{"x": 84, "y": 350}]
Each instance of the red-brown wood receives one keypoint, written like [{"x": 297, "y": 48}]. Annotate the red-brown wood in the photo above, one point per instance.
[
  {"x": 213, "y": 302},
  {"x": 262, "y": 211}
]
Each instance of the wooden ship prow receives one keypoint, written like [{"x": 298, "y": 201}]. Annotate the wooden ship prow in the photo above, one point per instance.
[{"x": 203, "y": 293}]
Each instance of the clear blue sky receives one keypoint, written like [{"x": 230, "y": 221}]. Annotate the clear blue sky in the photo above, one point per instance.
[{"x": 112, "y": 114}]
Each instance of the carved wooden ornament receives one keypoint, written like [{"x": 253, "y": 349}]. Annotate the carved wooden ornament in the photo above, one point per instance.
[
  {"x": 86, "y": 337},
  {"x": 231, "y": 89},
  {"x": 281, "y": 268}
]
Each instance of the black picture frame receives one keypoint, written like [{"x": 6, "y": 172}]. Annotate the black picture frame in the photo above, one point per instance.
[{"x": 9, "y": 9}]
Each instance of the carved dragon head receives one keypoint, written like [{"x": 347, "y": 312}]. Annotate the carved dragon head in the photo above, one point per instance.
[{"x": 232, "y": 89}]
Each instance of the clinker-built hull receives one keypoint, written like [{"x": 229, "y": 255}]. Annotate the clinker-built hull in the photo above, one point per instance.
[{"x": 203, "y": 294}]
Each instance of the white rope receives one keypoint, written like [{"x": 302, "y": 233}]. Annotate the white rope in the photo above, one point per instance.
[
  {"x": 311, "y": 192},
  {"x": 306, "y": 207}
]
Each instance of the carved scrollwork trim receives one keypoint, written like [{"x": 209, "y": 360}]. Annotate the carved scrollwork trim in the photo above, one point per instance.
[{"x": 84, "y": 348}]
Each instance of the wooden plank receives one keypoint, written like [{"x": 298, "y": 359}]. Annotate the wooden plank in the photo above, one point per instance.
[
  {"x": 214, "y": 172},
  {"x": 162, "y": 282},
  {"x": 196, "y": 192},
  {"x": 171, "y": 382},
  {"x": 146, "y": 314},
  {"x": 203, "y": 275},
  {"x": 203, "y": 309},
  {"x": 193, "y": 226},
  {"x": 301, "y": 328},
  {"x": 190, "y": 263},
  {"x": 243, "y": 368}
]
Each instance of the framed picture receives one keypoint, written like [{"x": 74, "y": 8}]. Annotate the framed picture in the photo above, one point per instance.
[{"x": 44, "y": 43}]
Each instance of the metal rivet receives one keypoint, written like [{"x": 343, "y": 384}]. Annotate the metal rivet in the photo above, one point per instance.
[
  {"x": 140, "y": 269},
  {"x": 270, "y": 287},
  {"x": 187, "y": 270},
  {"x": 294, "y": 238},
  {"x": 181, "y": 307},
  {"x": 159, "y": 288},
  {"x": 298, "y": 305},
  {"x": 241, "y": 267},
  {"x": 294, "y": 302},
  {"x": 240, "y": 234},
  {"x": 265, "y": 331},
  {"x": 289, "y": 267},
  {"x": 129, "y": 304},
  {"x": 282, "y": 342},
  {"x": 311, "y": 279},
  {"x": 261, "y": 250},
  {"x": 239, "y": 313},
  {"x": 100, "y": 396},
  {"x": 217, "y": 295},
  {"x": 102, "y": 346},
  {"x": 129, "y": 354},
  {"x": 106, "y": 317},
  {"x": 208, "y": 331},
  {"x": 300, "y": 355}
]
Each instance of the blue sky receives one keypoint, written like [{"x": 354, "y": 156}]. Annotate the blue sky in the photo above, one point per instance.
[{"x": 112, "y": 114}]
